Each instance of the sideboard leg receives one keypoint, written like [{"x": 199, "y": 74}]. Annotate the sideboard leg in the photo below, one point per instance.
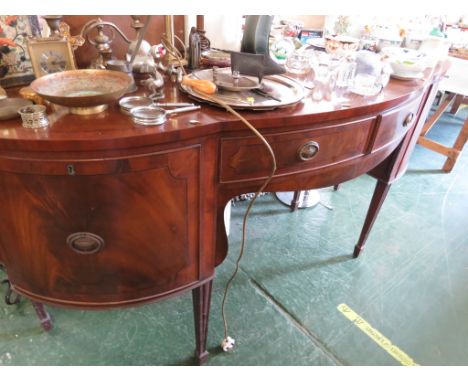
[
  {"x": 43, "y": 315},
  {"x": 201, "y": 298},
  {"x": 380, "y": 193},
  {"x": 11, "y": 299}
]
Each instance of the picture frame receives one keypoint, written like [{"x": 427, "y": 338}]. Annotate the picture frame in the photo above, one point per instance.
[
  {"x": 15, "y": 63},
  {"x": 50, "y": 55}
]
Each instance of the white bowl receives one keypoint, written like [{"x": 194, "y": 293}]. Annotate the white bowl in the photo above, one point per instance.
[
  {"x": 395, "y": 52},
  {"x": 405, "y": 62},
  {"x": 386, "y": 42},
  {"x": 406, "y": 68}
]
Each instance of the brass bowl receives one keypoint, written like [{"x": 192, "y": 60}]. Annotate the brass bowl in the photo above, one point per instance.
[{"x": 85, "y": 91}]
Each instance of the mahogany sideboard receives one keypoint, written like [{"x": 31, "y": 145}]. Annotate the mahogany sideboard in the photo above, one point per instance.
[{"x": 97, "y": 212}]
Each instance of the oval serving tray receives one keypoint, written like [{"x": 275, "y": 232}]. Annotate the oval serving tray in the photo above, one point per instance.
[{"x": 287, "y": 90}]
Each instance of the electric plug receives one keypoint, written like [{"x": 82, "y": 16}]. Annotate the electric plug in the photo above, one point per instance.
[{"x": 228, "y": 343}]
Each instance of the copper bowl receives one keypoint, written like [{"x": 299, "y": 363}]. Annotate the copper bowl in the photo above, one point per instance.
[{"x": 85, "y": 91}]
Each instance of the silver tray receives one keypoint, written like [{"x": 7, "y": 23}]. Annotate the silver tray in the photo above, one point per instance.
[
  {"x": 224, "y": 80},
  {"x": 287, "y": 90}
]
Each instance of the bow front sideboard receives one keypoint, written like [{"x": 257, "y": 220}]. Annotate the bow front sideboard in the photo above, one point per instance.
[{"x": 97, "y": 212}]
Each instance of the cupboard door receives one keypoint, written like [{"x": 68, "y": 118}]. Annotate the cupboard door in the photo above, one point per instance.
[{"x": 128, "y": 234}]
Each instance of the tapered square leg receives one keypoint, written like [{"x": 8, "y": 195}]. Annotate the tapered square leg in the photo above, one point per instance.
[
  {"x": 11, "y": 298},
  {"x": 201, "y": 298},
  {"x": 380, "y": 193},
  {"x": 43, "y": 316}
]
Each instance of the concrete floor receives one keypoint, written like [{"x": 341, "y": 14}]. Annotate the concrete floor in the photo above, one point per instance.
[{"x": 410, "y": 284}]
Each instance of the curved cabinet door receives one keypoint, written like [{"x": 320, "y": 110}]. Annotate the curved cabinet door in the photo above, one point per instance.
[{"x": 102, "y": 232}]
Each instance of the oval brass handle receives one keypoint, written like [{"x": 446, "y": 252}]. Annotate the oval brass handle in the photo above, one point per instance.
[
  {"x": 408, "y": 119},
  {"x": 85, "y": 243},
  {"x": 308, "y": 150}
]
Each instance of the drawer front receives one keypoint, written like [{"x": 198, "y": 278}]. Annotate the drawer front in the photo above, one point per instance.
[
  {"x": 106, "y": 239},
  {"x": 394, "y": 124},
  {"x": 247, "y": 158}
]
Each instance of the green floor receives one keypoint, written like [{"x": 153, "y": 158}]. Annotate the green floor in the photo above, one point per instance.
[{"x": 411, "y": 284}]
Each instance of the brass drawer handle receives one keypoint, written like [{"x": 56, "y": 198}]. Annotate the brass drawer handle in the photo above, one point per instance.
[
  {"x": 408, "y": 119},
  {"x": 308, "y": 150},
  {"x": 85, "y": 243}
]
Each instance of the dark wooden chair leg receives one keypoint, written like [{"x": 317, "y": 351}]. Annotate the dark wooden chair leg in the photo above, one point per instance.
[
  {"x": 295, "y": 201},
  {"x": 201, "y": 298},
  {"x": 380, "y": 193},
  {"x": 43, "y": 315},
  {"x": 10, "y": 297}
]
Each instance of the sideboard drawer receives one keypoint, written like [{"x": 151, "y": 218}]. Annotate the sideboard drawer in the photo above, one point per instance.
[
  {"x": 395, "y": 123},
  {"x": 247, "y": 158}
]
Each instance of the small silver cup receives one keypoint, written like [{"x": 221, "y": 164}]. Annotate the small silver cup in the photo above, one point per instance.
[{"x": 34, "y": 116}]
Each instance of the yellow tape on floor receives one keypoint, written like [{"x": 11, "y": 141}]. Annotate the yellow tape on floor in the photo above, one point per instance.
[{"x": 375, "y": 335}]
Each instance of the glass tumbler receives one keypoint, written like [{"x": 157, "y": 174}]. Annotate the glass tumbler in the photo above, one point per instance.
[
  {"x": 323, "y": 82},
  {"x": 344, "y": 77},
  {"x": 298, "y": 65}
]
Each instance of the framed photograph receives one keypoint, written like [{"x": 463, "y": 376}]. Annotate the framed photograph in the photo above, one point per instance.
[
  {"x": 15, "y": 64},
  {"x": 50, "y": 55}
]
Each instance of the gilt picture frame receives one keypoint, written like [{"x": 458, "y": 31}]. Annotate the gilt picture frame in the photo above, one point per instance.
[{"x": 15, "y": 63}]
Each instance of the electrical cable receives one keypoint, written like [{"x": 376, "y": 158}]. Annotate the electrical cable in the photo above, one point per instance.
[
  {"x": 228, "y": 342},
  {"x": 227, "y": 339},
  {"x": 173, "y": 51}
]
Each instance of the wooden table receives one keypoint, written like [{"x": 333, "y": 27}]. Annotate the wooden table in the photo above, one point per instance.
[{"x": 99, "y": 213}]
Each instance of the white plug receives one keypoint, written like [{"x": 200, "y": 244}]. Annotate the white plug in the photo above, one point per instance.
[{"x": 228, "y": 343}]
